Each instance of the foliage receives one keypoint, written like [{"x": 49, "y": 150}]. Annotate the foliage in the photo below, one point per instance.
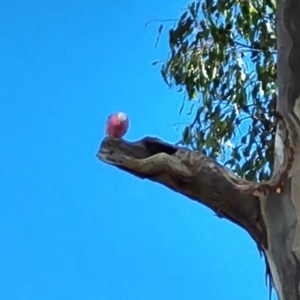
[{"x": 223, "y": 56}]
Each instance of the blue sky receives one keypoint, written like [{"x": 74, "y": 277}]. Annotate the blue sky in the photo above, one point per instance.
[{"x": 72, "y": 227}]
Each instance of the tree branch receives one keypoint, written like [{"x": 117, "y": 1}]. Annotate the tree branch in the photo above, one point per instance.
[{"x": 192, "y": 174}]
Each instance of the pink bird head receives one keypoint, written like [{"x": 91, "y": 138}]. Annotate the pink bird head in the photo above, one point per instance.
[{"x": 117, "y": 125}]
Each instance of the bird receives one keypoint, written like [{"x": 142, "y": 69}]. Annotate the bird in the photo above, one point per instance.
[{"x": 117, "y": 125}]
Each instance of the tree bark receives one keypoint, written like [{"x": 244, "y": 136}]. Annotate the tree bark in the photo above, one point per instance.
[
  {"x": 201, "y": 179},
  {"x": 281, "y": 212},
  {"x": 268, "y": 211}
]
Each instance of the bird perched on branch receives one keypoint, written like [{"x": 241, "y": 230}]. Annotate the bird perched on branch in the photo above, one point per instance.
[{"x": 117, "y": 125}]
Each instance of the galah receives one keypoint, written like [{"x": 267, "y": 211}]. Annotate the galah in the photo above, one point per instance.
[{"x": 117, "y": 125}]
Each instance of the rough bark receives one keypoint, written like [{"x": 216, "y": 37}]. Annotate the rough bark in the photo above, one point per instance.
[
  {"x": 199, "y": 178},
  {"x": 192, "y": 174},
  {"x": 268, "y": 211}
]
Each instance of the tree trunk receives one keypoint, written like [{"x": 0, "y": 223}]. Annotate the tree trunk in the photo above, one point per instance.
[{"x": 268, "y": 211}]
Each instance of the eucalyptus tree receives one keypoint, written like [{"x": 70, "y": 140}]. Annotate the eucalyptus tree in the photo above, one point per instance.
[{"x": 238, "y": 64}]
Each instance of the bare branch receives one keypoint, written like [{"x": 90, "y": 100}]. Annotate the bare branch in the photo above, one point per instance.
[{"x": 192, "y": 174}]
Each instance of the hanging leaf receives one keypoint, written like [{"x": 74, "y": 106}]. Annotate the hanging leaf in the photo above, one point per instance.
[{"x": 223, "y": 55}]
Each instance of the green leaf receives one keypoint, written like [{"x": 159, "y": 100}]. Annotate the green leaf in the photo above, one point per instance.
[
  {"x": 222, "y": 56},
  {"x": 160, "y": 29}
]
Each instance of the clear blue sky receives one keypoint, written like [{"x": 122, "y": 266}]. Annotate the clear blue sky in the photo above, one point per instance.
[{"x": 72, "y": 227}]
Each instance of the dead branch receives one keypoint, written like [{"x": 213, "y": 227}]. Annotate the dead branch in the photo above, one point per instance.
[{"x": 192, "y": 174}]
